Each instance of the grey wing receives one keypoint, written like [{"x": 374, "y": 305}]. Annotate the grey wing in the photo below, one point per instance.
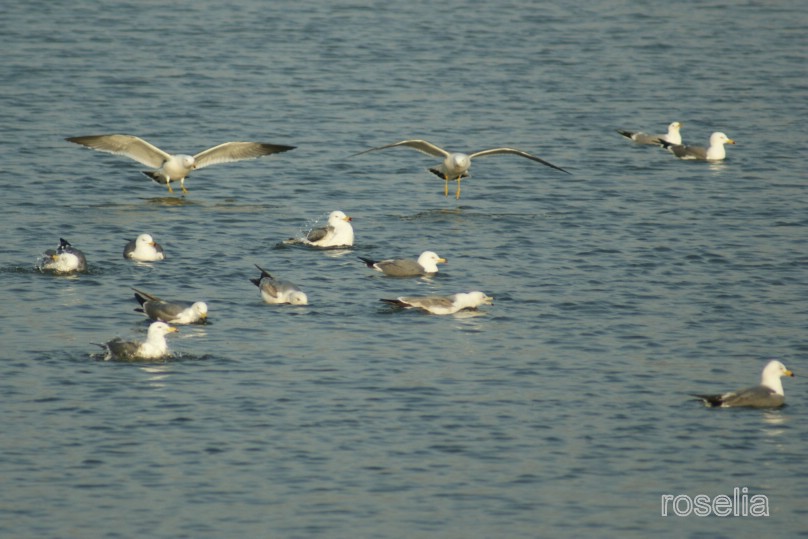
[
  {"x": 756, "y": 397},
  {"x": 317, "y": 234},
  {"x": 400, "y": 267},
  {"x": 163, "y": 310},
  {"x": 514, "y": 151},
  {"x": 692, "y": 152},
  {"x": 129, "y": 249},
  {"x": 429, "y": 302},
  {"x": 237, "y": 151},
  {"x": 122, "y": 349},
  {"x": 269, "y": 287},
  {"x": 128, "y": 145},
  {"x": 421, "y": 145},
  {"x": 644, "y": 138},
  {"x": 142, "y": 296}
]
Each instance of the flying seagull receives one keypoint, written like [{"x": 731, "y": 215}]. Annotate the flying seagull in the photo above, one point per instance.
[
  {"x": 170, "y": 168},
  {"x": 455, "y": 166}
]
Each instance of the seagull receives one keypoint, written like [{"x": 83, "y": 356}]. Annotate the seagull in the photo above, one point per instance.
[
  {"x": 169, "y": 311},
  {"x": 154, "y": 347},
  {"x": 275, "y": 291},
  {"x": 442, "y": 304},
  {"x": 455, "y": 166},
  {"x": 170, "y": 168},
  {"x": 337, "y": 233},
  {"x": 715, "y": 152},
  {"x": 769, "y": 394},
  {"x": 143, "y": 249},
  {"x": 672, "y": 136},
  {"x": 64, "y": 259},
  {"x": 426, "y": 264}
]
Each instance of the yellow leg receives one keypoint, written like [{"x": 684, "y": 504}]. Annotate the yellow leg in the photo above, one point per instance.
[
  {"x": 168, "y": 184},
  {"x": 457, "y": 193},
  {"x": 446, "y": 188}
]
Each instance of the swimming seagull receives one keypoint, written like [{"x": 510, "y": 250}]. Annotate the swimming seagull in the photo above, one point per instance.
[
  {"x": 64, "y": 259},
  {"x": 337, "y": 233},
  {"x": 442, "y": 304},
  {"x": 170, "y": 168},
  {"x": 275, "y": 291},
  {"x": 170, "y": 311},
  {"x": 143, "y": 249},
  {"x": 672, "y": 136},
  {"x": 769, "y": 394},
  {"x": 426, "y": 264},
  {"x": 455, "y": 166},
  {"x": 715, "y": 152},
  {"x": 154, "y": 347}
]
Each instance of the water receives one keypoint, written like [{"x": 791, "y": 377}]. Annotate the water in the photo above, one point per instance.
[{"x": 562, "y": 410}]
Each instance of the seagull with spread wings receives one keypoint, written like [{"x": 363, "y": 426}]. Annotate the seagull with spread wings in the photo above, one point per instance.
[
  {"x": 455, "y": 165},
  {"x": 170, "y": 168}
]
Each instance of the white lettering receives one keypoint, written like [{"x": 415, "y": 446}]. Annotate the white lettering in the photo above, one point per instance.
[
  {"x": 688, "y": 504},
  {"x": 722, "y": 505}
]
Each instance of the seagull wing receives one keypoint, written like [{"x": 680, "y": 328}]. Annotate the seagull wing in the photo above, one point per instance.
[
  {"x": 317, "y": 234},
  {"x": 421, "y": 145},
  {"x": 142, "y": 296},
  {"x": 128, "y": 145},
  {"x": 237, "y": 151},
  {"x": 514, "y": 151}
]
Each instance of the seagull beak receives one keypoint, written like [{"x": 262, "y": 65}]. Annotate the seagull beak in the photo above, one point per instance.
[
  {"x": 348, "y": 218},
  {"x": 54, "y": 257},
  {"x": 442, "y": 261},
  {"x": 788, "y": 373},
  {"x": 730, "y": 141},
  {"x": 172, "y": 329}
]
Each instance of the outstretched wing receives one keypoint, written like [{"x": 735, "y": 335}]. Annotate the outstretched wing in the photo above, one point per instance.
[
  {"x": 237, "y": 151},
  {"x": 128, "y": 145},
  {"x": 421, "y": 145},
  {"x": 514, "y": 151}
]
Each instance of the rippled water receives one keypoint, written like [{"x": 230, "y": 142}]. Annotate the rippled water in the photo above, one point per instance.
[{"x": 561, "y": 410}]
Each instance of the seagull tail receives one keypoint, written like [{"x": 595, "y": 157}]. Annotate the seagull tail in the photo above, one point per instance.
[
  {"x": 626, "y": 134},
  {"x": 396, "y": 302},
  {"x": 162, "y": 180},
  {"x": 710, "y": 400},
  {"x": 368, "y": 262}
]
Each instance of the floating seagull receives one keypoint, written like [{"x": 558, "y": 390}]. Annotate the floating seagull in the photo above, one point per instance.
[
  {"x": 672, "y": 136},
  {"x": 455, "y": 166},
  {"x": 715, "y": 152},
  {"x": 143, "y": 249},
  {"x": 169, "y": 311},
  {"x": 442, "y": 304},
  {"x": 64, "y": 259},
  {"x": 275, "y": 291},
  {"x": 337, "y": 233},
  {"x": 176, "y": 167},
  {"x": 154, "y": 347},
  {"x": 769, "y": 394},
  {"x": 426, "y": 264}
]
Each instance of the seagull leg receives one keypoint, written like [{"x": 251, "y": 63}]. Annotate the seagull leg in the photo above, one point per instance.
[
  {"x": 446, "y": 187},
  {"x": 457, "y": 193},
  {"x": 182, "y": 184},
  {"x": 168, "y": 184}
]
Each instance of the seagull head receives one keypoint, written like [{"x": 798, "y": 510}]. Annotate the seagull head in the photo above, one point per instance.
[
  {"x": 161, "y": 328},
  {"x": 146, "y": 239},
  {"x": 458, "y": 163},
  {"x": 298, "y": 298},
  {"x": 336, "y": 216},
  {"x": 720, "y": 138}
]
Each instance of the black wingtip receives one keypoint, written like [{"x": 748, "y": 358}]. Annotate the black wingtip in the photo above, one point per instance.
[{"x": 367, "y": 261}]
